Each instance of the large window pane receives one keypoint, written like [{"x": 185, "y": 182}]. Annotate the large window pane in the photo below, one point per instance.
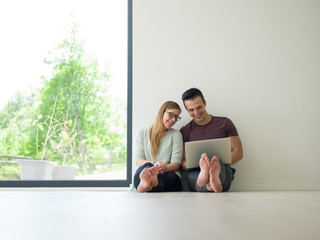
[{"x": 64, "y": 92}]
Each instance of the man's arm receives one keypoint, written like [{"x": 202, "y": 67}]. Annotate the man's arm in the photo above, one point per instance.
[
  {"x": 236, "y": 150},
  {"x": 183, "y": 165}
]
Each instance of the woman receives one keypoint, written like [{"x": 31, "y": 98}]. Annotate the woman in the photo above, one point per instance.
[{"x": 158, "y": 151}]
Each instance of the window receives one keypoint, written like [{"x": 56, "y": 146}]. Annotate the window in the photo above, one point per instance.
[{"x": 65, "y": 110}]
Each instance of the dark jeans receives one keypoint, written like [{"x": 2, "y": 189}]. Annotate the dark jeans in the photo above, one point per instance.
[
  {"x": 226, "y": 177},
  {"x": 167, "y": 182}
]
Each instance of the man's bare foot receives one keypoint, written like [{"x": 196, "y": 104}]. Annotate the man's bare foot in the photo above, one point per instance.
[
  {"x": 214, "y": 172},
  {"x": 154, "y": 171},
  {"x": 203, "y": 177},
  {"x": 145, "y": 180}
]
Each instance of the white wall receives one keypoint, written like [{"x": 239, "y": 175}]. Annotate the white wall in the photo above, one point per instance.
[{"x": 257, "y": 62}]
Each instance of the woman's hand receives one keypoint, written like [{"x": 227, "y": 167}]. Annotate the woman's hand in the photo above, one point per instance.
[{"x": 161, "y": 166}]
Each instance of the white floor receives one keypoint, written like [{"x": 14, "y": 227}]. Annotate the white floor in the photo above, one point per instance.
[{"x": 100, "y": 214}]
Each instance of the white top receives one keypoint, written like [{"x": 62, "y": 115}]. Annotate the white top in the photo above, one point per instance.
[{"x": 169, "y": 151}]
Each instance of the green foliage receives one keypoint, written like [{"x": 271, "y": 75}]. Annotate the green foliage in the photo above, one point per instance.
[
  {"x": 15, "y": 126},
  {"x": 60, "y": 134},
  {"x": 11, "y": 172},
  {"x": 96, "y": 119}
]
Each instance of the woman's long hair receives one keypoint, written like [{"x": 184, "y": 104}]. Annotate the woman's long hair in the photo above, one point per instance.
[{"x": 158, "y": 127}]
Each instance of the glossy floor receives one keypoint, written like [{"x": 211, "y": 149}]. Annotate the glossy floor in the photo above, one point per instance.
[{"x": 100, "y": 214}]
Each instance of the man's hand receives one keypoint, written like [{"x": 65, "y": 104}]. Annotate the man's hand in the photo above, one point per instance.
[{"x": 183, "y": 165}]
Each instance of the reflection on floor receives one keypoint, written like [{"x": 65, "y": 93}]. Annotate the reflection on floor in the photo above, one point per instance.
[{"x": 101, "y": 214}]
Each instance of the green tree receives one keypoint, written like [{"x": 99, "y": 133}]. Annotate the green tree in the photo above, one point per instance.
[
  {"x": 76, "y": 76},
  {"x": 100, "y": 119},
  {"x": 15, "y": 126}
]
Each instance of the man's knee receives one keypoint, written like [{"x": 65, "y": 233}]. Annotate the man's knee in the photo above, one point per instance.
[
  {"x": 228, "y": 178},
  {"x": 192, "y": 180}
]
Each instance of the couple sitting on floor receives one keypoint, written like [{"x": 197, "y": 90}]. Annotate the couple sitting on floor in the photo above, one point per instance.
[{"x": 160, "y": 154}]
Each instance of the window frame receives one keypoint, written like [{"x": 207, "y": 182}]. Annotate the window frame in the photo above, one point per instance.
[{"x": 97, "y": 183}]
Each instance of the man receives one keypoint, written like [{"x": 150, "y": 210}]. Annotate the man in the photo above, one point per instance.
[{"x": 213, "y": 175}]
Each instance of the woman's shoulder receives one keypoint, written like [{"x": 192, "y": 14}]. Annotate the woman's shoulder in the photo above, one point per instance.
[
  {"x": 144, "y": 129},
  {"x": 175, "y": 132},
  {"x": 142, "y": 132}
]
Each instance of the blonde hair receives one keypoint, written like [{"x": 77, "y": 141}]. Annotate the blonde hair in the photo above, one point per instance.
[{"x": 158, "y": 127}]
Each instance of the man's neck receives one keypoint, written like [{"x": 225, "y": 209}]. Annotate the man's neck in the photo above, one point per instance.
[{"x": 205, "y": 120}]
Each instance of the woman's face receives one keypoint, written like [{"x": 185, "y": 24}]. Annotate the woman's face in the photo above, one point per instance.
[{"x": 170, "y": 117}]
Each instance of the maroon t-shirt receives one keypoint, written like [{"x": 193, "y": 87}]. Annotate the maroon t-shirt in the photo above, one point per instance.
[{"x": 218, "y": 127}]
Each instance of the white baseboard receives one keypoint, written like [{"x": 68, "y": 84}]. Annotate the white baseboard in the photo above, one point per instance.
[
  {"x": 274, "y": 187},
  {"x": 103, "y": 189}
]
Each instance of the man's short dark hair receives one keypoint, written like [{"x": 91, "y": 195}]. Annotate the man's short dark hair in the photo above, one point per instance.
[{"x": 191, "y": 94}]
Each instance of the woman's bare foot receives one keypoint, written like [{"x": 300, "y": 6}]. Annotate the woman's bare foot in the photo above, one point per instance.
[
  {"x": 214, "y": 172},
  {"x": 145, "y": 180},
  {"x": 203, "y": 177},
  {"x": 154, "y": 176}
]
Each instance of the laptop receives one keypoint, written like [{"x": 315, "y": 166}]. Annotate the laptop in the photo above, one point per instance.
[{"x": 220, "y": 147}]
